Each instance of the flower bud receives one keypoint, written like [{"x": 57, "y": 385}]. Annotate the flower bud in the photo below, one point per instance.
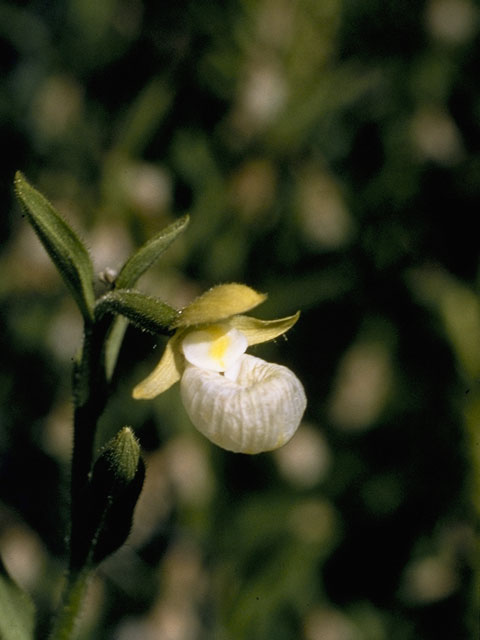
[
  {"x": 117, "y": 479},
  {"x": 117, "y": 465}
]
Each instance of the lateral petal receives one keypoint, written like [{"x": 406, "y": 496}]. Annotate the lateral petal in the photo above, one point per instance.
[
  {"x": 219, "y": 303},
  {"x": 166, "y": 373},
  {"x": 257, "y": 331}
]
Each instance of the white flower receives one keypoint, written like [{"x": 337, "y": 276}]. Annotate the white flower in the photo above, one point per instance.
[{"x": 239, "y": 402}]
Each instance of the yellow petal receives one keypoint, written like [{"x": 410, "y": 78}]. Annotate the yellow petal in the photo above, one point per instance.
[
  {"x": 257, "y": 331},
  {"x": 219, "y": 303},
  {"x": 166, "y": 373}
]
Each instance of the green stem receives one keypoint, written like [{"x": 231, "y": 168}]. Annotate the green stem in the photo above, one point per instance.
[
  {"x": 90, "y": 391},
  {"x": 472, "y": 416},
  {"x": 66, "y": 622}
]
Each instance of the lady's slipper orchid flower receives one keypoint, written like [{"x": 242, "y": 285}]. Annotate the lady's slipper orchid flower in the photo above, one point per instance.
[{"x": 239, "y": 402}]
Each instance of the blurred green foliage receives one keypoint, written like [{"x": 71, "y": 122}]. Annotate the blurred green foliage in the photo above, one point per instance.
[{"x": 327, "y": 153}]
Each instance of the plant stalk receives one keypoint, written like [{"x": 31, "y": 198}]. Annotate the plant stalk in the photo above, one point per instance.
[
  {"x": 472, "y": 417},
  {"x": 90, "y": 392},
  {"x": 69, "y": 613}
]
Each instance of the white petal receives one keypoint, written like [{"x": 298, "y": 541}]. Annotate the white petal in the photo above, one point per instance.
[
  {"x": 216, "y": 347},
  {"x": 259, "y": 411}
]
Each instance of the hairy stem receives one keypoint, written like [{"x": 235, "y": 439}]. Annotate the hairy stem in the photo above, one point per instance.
[
  {"x": 472, "y": 416},
  {"x": 69, "y": 614},
  {"x": 90, "y": 391}
]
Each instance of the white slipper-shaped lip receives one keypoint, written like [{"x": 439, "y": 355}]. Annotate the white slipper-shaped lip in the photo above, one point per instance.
[{"x": 258, "y": 411}]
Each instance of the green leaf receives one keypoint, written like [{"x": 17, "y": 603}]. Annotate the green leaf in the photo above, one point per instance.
[
  {"x": 144, "y": 117},
  {"x": 131, "y": 271},
  {"x": 66, "y": 250},
  {"x": 17, "y": 612},
  {"x": 142, "y": 259},
  {"x": 146, "y": 312}
]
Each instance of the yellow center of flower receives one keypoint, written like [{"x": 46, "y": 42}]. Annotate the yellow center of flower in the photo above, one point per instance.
[
  {"x": 216, "y": 347},
  {"x": 219, "y": 347}
]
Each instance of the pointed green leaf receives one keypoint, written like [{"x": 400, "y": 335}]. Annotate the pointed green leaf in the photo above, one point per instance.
[
  {"x": 16, "y": 610},
  {"x": 142, "y": 259},
  {"x": 146, "y": 312},
  {"x": 61, "y": 243}
]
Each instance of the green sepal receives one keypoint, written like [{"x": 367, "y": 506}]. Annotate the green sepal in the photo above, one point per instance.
[
  {"x": 17, "y": 612},
  {"x": 64, "y": 247},
  {"x": 149, "y": 253},
  {"x": 146, "y": 312},
  {"x": 109, "y": 504}
]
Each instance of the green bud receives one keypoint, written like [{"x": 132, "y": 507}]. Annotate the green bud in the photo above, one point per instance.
[
  {"x": 117, "y": 464},
  {"x": 116, "y": 483}
]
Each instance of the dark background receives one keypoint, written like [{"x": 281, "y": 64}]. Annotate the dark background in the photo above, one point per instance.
[{"x": 328, "y": 154}]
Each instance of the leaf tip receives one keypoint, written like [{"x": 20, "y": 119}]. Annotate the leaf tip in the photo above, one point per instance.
[{"x": 18, "y": 181}]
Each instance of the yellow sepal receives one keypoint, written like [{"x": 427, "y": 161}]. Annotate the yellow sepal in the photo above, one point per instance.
[
  {"x": 166, "y": 373},
  {"x": 257, "y": 331},
  {"x": 219, "y": 303}
]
